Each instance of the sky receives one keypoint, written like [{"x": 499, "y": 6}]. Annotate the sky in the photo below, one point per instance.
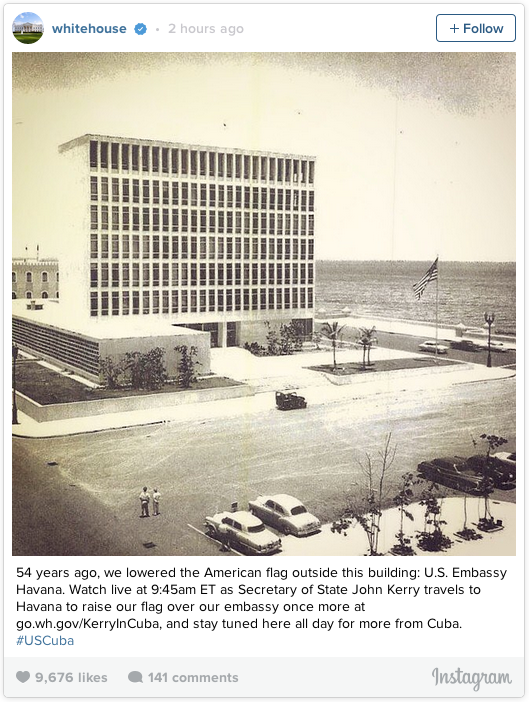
[
  {"x": 415, "y": 153},
  {"x": 27, "y": 17}
]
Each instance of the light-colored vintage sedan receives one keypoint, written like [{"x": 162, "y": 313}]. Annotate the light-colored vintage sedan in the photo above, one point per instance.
[
  {"x": 242, "y": 530},
  {"x": 285, "y": 513},
  {"x": 430, "y": 347}
]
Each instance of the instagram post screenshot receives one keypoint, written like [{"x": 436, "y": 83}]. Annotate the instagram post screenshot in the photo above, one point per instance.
[{"x": 264, "y": 306}]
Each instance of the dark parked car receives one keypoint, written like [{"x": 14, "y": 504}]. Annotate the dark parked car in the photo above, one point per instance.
[
  {"x": 504, "y": 477},
  {"x": 465, "y": 345},
  {"x": 452, "y": 472},
  {"x": 289, "y": 401}
]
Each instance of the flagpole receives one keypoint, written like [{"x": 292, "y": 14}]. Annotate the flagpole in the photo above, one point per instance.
[{"x": 437, "y": 309}]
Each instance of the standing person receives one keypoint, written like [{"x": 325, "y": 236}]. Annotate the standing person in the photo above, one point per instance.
[
  {"x": 155, "y": 502},
  {"x": 144, "y": 501}
]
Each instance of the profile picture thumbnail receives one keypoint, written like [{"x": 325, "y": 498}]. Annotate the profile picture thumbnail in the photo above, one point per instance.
[{"x": 28, "y": 28}]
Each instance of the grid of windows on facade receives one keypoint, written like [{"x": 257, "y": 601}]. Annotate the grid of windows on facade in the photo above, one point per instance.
[{"x": 173, "y": 231}]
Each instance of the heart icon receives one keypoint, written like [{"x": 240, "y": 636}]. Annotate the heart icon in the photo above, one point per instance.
[{"x": 22, "y": 675}]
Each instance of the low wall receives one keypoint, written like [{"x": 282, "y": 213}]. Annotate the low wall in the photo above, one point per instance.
[
  {"x": 91, "y": 408},
  {"x": 370, "y": 375}
]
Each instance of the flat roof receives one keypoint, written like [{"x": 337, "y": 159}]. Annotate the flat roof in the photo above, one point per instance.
[
  {"x": 85, "y": 138},
  {"x": 135, "y": 326}
]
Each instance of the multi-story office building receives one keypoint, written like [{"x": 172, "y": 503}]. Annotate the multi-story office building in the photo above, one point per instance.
[
  {"x": 220, "y": 240},
  {"x": 34, "y": 278}
]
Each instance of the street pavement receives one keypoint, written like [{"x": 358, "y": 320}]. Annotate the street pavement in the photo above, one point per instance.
[{"x": 268, "y": 374}]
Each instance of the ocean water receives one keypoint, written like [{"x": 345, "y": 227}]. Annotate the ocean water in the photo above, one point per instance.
[{"x": 384, "y": 289}]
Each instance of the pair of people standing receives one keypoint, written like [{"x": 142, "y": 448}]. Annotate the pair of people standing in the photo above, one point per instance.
[{"x": 145, "y": 500}]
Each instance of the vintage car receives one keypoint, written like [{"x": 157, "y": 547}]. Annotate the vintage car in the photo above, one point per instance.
[
  {"x": 431, "y": 345},
  {"x": 503, "y": 476},
  {"x": 452, "y": 472},
  {"x": 285, "y": 513},
  {"x": 496, "y": 346},
  {"x": 289, "y": 401},
  {"x": 508, "y": 459},
  {"x": 242, "y": 530},
  {"x": 465, "y": 345}
]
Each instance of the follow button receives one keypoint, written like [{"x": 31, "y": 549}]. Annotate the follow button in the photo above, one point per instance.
[{"x": 476, "y": 28}]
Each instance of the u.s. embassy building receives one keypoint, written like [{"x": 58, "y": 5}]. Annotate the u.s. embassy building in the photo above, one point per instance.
[{"x": 165, "y": 239}]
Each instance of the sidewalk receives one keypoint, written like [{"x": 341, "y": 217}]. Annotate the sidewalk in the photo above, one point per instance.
[
  {"x": 269, "y": 374},
  {"x": 500, "y": 543}
]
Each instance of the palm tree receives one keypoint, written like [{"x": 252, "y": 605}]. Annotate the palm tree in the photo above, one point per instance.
[
  {"x": 367, "y": 339},
  {"x": 332, "y": 332}
]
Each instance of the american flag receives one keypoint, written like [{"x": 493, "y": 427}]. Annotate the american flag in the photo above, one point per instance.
[{"x": 431, "y": 274}]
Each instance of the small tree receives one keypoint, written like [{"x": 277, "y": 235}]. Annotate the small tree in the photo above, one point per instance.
[
  {"x": 332, "y": 332},
  {"x": 146, "y": 371},
  {"x": 273, "y": 342},
  {"x": 432, "y": 537},
  {"x": 366, "y": 339},
  {"x": 487, "y": 522},
  {"x": 402, "y": 500},
  {"x": 187, "y": 365},
  {"x": 368, "y": 511},
  {"x": 113, "y": 373}
]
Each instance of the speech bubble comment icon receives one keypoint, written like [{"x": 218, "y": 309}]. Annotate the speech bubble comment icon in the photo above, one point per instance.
[{"x": 135, "y": 676}]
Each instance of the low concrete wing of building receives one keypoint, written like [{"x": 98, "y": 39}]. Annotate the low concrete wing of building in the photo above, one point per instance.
[{"x": 43, "y": 329}]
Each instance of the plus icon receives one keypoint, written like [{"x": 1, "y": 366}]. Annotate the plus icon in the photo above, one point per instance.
[{"x": 454, "y": 28}]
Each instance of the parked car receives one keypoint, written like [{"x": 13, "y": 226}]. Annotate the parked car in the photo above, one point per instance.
[
  {"x": 494, "y": 346},
  {"x": 430, "y": 347},
  {"x": 504, "y": 477},
  {"x": 242, "y": 530},
  {"x": 465, "y": 345},
  {"x": 452, "y": 472},
  {"x": 289, "y": 401},
  {"x": 285, "y": 513},
  {"x": 508, "y": 459}
]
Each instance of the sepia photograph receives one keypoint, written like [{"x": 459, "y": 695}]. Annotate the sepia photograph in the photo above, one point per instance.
[{"x": 263, "y": 304}]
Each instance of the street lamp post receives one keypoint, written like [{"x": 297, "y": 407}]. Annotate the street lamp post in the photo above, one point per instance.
[
  {"x": 489, "y": 319},
  {"x": 15, "y": 410}
]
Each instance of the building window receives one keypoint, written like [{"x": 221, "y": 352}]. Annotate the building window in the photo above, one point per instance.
[
  {"x": 93, "y": 304},
  {"x": 29, "y": 294},
  {"x": 125, "y": 157},
  {"x": 114, "y": 156},
  {"x": 104, "y": 303},
  {"x": 156, "y": 159},
  {"x": 145, "y": 158},
  {"x": 174, "y": 162},
  {"x": 135, "y": 157},
  {"x": 184, "y": 158},
  {"x": 104, "y": 154},
  {"x": 13, "y": 295},
  {"x": 93, "y": 188},
  {"x": 29, "y": 277},
  {"x": 165, "y": 160},
  {"x": 93, "y": 154},
  {"x": 13, "y": 277}
]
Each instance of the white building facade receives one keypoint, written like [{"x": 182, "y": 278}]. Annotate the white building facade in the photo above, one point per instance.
[{"x": 220, "y": 240}]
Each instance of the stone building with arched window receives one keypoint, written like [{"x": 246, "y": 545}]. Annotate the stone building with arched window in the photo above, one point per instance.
[{"x": 34, "y": 278}]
